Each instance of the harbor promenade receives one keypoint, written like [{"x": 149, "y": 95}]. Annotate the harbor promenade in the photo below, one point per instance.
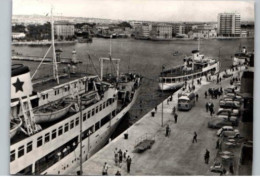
[{"x": 172, "y": 155}]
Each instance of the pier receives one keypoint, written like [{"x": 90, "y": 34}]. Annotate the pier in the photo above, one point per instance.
[{"x": 175, "y": 154}]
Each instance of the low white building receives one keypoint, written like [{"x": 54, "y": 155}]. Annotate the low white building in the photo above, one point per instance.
[{"x": 18, "y": 35}]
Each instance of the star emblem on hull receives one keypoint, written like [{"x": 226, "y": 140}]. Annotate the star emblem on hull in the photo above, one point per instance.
[{"x": 18, "y": 85}]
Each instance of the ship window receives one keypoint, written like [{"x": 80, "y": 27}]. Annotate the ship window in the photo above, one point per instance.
[
  {"x": 77, "y": 120},
  {"x": 75, "y": 85},
  {"x": 93, "y": 112},
  {"x": 60, "y": 130},
  {"x": 29, "y": 147},
  {"x": 88, "y": 114},
  {"x": 104, "y": 105},
  {"x": 54, "y": 134},
  {"x": 72, "y": 124},
  {"x": 66, "y": 127},
  {"x": 12, "y": 155},
  {"x": 57, "y": 92},
  {"x": 84, "y": 117},
  {"x": 97, "y": 109},
  {"x": 100, "y": 107},
  {"x": 39, "y": 141},
  {"x": 97, "y": 126},
  {"x": 107, "y": 103},
  {"x": 20, "y": 151},
  {"x": 105, "y": 120},
  {"x": 47, "y": 137}
]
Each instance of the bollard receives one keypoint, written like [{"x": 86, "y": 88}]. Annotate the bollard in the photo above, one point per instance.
[
  {"x": 126, "y": 136},
  {"x": 153, "y": 113}
]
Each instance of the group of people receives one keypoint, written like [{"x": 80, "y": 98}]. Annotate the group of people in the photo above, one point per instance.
[
  {"x": 119, "y": 157},
  {"x": 214, "y": 93}
]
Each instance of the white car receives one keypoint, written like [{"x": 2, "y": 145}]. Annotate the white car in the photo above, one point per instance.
[
  {"x": 228, "y": 131},
  {"x": 233, "y": 112}
]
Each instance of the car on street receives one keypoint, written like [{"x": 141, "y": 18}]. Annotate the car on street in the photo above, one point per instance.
[
  {"x": 227, "y": 111},
  {"x": 217, "y": 167},
  {"x": 227, "y": 131},
  {"x": 219, "y": 122},
  {"x": 228, "y": 103}
]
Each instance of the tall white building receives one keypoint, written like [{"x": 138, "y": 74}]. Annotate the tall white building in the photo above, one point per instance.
[{"x": 229, "y": 24}]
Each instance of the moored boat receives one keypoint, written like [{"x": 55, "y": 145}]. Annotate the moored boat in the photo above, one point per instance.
[{"x": 194, "y": 67}]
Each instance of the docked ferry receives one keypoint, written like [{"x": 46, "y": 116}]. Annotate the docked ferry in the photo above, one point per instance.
[{"x": 194, "y": 66}]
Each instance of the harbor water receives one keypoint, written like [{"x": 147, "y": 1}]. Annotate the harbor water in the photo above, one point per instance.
[{"x": 139, "y": 56}]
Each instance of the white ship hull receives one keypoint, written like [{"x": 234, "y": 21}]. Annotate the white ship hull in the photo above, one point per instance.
[
  {"x": 238, "y": 61},
  {"x": 180, "y": 80},
  {"x": 90, "y": 145}
]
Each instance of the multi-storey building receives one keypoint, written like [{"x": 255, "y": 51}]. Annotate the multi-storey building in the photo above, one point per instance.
[
  {"x": 64, "y": 29},
  {"x": 161, "y": 31},
  {"x": 229, "y": 24}
]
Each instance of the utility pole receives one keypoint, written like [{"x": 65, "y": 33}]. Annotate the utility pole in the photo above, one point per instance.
[{"x": 162, "y": 94}]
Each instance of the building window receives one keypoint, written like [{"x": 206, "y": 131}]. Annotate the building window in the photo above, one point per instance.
[
  {"x": 84, "y": 117},
  {"x": 12, "y": 155},
  {"x": 60, "y": 131},
  {"x": 93, "y": 112},
  {"x": 39, "y": 141},
  {"x": 100, "y": 107},
  {"x": 89, "y": 114},
  {"x": 29, "y": 147},
  {"x": 72, "y": 124},
  {"x": 47, "y": 137},
  {"x": 20, "y": 151},
  {"x": 77, "y": 121},
  {"x": 104, "y": 105},
  {"x": 54, "y": 134},
  {"x": 57, "y": 92},
  {"x": 97, "y": 109},
  {"x": 66, "y": 127},
  {"x": 97, "y": 126}
]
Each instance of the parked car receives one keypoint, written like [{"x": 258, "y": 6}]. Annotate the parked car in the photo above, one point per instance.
[
  {"x": 220, "y": 122},
  {"x": 217, "y": 167},
  {"x": 233, "y": 89},
  {"x": 227, "y": 103},
  {"x": 232, "y": 112},
  {"x": 227, "y": 131}
]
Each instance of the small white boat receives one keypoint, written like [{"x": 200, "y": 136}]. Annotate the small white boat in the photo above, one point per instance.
[
  {"x": 15, "y": 125},
  {"x": 51, "y": 112}
]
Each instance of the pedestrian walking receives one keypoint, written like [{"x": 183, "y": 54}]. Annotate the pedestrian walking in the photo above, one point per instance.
[
  {"x": 174, "y": 110},
  {"x": 128, "y": 163},
  {"x": 116, "y": 159},
  {"x": 175, "y": 118},
  {"x": 197, "y": 97},
  {"x": 155, "y": 108},
  {"x": 217, "y": 144},
  {"x": 167, "y": 130},
  {"x": 125, "y": 154},
  {"x": 120, "y": 154},
  {"x": 207, "y": 107},
  {"x": 206, "y": 94},
  {"x": 194, "y": 137},
  {"x": 206, "y": 156},
  {"x": 105, "y": 169}
]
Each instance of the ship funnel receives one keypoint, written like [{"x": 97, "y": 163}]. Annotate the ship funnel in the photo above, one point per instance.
[
  {"x": 195, "y": 55},
  {"x": 21, "y": 84}
]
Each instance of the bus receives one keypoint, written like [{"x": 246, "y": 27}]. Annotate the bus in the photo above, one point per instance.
[{"x": 186, "y": 101}]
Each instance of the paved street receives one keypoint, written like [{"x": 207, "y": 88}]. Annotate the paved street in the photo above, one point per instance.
[{"x": 173, "y": 155}]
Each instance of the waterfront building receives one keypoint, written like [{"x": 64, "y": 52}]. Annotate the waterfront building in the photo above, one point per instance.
[
  {"x": 161, "y": 31},
  {"x": 64, "y": 29},
  {"x": 229, "y": 24}
]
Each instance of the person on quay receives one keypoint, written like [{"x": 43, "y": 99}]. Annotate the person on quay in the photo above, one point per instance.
[
  {"x": 105, "y": 169},
  {"x": 175, "y": 117},
  {"x": 206, "y": 156},
  {"x": 194, "y": 137},
  {"x": 167, "y": 130},
  {"x": 128, "y": 163}
]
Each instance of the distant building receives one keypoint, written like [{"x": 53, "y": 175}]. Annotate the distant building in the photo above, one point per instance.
[
  {"x": 161, "y": 31},
  {"x": 229, "y": 24},
  {"x": 146, "y": 29},
  {"x": 63, "y": 29}
]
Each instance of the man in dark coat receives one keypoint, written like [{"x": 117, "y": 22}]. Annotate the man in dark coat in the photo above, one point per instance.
[{"x": 128, "y": 163}]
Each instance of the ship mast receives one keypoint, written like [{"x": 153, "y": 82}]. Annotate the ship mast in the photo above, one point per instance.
[{"x": 55, "y": 65}]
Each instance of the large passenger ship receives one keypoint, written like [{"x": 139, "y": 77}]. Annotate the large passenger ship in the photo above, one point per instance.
[
  {"x": 194, "y": 66},
  {"x": 56, "y": 124}
]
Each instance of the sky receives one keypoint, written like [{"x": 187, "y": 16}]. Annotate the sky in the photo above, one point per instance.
[{"x": 150, "y": 10}]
